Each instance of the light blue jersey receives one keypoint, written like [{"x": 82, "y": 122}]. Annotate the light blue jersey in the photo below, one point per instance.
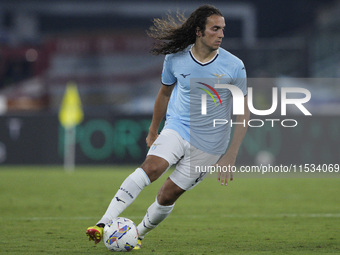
[{"x": 194, "y": 79}]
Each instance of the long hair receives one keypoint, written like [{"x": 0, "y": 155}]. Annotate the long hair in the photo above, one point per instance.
[{"x": 174, "y": 34}]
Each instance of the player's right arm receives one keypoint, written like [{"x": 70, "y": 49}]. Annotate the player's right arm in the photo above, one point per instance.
[{"x": 159, "y": 111}]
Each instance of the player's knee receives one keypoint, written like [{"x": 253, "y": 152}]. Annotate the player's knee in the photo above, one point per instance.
[
  {"x": 153, "y": 168},
  {"x": 168, "y": 195},
  {"x": 165, "y": 199}
]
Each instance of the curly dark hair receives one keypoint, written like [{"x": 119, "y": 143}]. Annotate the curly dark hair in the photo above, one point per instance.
[{"x": 174, "y": 34}]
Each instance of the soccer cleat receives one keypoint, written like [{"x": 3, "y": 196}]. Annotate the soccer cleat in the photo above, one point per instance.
[
  {"x": 138, "y": 245},
  {"x": 95, "y": 233}
]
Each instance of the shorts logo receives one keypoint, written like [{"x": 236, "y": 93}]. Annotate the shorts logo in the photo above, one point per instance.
[{"x": 154, "y": 146}]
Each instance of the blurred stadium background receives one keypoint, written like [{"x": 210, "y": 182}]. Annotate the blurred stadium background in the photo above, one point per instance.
[{"x": 102, "y": 46}]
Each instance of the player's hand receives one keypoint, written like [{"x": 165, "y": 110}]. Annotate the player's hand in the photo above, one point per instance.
[
  {"x": 152, "y": 136},
  {"x": 226, "y": 163}
]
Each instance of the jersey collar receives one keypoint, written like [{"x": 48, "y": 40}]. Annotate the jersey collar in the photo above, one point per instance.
[{"x": 199, "y": 62}]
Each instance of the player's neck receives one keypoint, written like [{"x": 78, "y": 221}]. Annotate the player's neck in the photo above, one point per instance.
[{"x": 203, "y": 54}]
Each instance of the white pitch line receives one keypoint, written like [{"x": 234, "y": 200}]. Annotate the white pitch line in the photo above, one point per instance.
[{"x": 281, "y": 215}]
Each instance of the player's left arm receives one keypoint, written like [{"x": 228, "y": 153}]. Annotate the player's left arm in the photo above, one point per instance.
[{"x": 229, "y": 158}]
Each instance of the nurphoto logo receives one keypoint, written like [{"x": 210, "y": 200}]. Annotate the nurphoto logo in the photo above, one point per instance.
[{"x": 239, "y": 104}]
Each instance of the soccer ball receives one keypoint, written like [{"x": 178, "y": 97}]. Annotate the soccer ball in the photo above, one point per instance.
[{"x": 120, "y": 234}]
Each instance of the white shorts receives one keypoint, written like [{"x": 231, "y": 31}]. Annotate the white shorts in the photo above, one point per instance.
[{"x": 189, "y": 160}]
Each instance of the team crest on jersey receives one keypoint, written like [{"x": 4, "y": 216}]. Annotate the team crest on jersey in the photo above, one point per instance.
[{"x": 218, "y": 76}]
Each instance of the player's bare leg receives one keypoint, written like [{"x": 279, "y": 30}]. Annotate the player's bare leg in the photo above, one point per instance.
[
  {"x": 154, "y": 167},
  {"x": 169, "y": 193}
]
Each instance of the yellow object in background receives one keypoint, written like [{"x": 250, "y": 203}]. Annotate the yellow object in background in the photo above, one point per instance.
[{"x": 71, "y": 112}]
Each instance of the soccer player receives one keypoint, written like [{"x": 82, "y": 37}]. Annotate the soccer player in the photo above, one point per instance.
[{"x": 193, "y": 59}]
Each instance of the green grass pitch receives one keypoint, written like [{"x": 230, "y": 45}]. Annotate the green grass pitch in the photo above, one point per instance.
[{"x": 44, "y": 210}]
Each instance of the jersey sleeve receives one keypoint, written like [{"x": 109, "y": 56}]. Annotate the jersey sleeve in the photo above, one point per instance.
[
  {"x": 168, "y": 77},
  {"x": 240, "y": 78}
]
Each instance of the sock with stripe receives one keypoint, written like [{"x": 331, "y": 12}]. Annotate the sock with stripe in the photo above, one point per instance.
[
  {"x": 127, "y": 193},
  {"x": 155, "y": 214}
]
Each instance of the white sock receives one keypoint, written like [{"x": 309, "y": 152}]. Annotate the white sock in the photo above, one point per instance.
[
  {"x": 155, "y": 214},
  {"x": 126, "y": 194}
]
